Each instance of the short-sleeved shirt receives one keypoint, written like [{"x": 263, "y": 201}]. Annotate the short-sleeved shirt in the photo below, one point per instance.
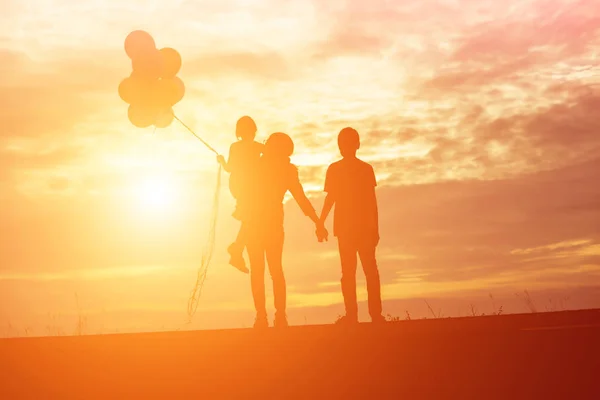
[{"x": 352, "y": 184}]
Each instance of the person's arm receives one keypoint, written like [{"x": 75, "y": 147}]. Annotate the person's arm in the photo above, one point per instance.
[
  {"x": 376, "y": 207},
  {"x": 226, "y": 165},
  {"x": 327, "y": 206},
  {"x": 376, "y": 222},
  {"x": 373, "y": 203},
  {"x": 330, "y": 198},
  {"x": 297, "y": 191}
]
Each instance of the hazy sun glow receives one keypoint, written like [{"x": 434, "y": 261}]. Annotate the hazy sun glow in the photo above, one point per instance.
[{"x": 157, "y": 193}]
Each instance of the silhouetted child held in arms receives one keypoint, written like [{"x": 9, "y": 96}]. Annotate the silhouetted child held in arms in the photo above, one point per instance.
[{"x": 244, "y": 156}]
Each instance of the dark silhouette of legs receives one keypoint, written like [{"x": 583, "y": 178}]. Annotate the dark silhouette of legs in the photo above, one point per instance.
[
  {"x": 240, "y": 240},
  {"x": 349, "y": 247},
  {"x": 236, "y": 249},
  {"x": 369, "y": 264},
  {"x": 274, "y": 251},
  {"x": 256, "y": 255},
  {"x": 348, "y": 260}
]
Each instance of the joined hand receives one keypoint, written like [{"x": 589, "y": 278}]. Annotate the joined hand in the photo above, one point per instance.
[{"x": 321, "y": 233}]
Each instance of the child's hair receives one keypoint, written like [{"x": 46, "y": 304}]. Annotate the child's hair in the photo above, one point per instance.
[{"x": 245, "y": 128}]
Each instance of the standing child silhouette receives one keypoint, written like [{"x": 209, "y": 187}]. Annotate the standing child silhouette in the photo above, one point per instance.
[
  {"x": 350, "y": 186},
  {"x": 244, "y": 157}
]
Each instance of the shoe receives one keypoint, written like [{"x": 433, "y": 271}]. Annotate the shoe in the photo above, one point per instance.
[
  {"x": 380, "y": 319},
  {"x": 347, "y": 321},
  {"x": 280, "y": 322},
  {"x": 261, "y": 323},
  {"x": 236, "y": 258}
]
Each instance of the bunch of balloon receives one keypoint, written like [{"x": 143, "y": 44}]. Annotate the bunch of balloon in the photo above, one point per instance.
[
  {"x": 153, "y": 87},
  {"x": 151, "y": 91}
]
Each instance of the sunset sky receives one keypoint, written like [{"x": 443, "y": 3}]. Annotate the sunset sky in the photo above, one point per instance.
[{"x": 480, "y": 117}]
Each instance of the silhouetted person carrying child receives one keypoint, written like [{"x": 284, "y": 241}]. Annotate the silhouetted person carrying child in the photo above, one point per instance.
[
  {"x": 350, "y": 185},
  {"x": 276, "y": 176},
  {"x": 244, "y": 157}
]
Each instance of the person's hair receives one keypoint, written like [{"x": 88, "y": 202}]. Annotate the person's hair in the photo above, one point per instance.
[
  {"x": 348, "y": 140},
  {"x": 279, "y": 144},
  {"x": 245, "y": 128}
]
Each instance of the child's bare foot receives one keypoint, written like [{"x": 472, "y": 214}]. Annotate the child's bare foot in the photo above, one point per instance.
[{"x": 236, "y": 258}]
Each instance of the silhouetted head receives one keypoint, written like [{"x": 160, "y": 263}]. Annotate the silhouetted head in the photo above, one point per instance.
[
  {"x": 245, "y": 128},
  {"x": 279, "y": 145},
  {"x": 348, "y": 142}
]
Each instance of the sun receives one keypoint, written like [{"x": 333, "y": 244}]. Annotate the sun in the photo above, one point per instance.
[{"x": 156, "y": 192}]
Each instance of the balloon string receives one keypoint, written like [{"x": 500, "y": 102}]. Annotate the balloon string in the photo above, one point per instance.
[
  {"x": 207, "y": 254},
  {"x": 197, "y": 137}
]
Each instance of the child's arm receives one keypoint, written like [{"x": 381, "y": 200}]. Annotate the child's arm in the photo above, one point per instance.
[{"x": 226, "y": 165}]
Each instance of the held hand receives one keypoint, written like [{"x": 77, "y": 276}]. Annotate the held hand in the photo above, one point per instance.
[
  {"x": 220, "y": 159},
  {"x": 321, "y": 233}
]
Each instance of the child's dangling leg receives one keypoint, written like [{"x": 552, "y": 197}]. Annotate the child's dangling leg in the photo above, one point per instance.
[{"x": 236, "y": 249}]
